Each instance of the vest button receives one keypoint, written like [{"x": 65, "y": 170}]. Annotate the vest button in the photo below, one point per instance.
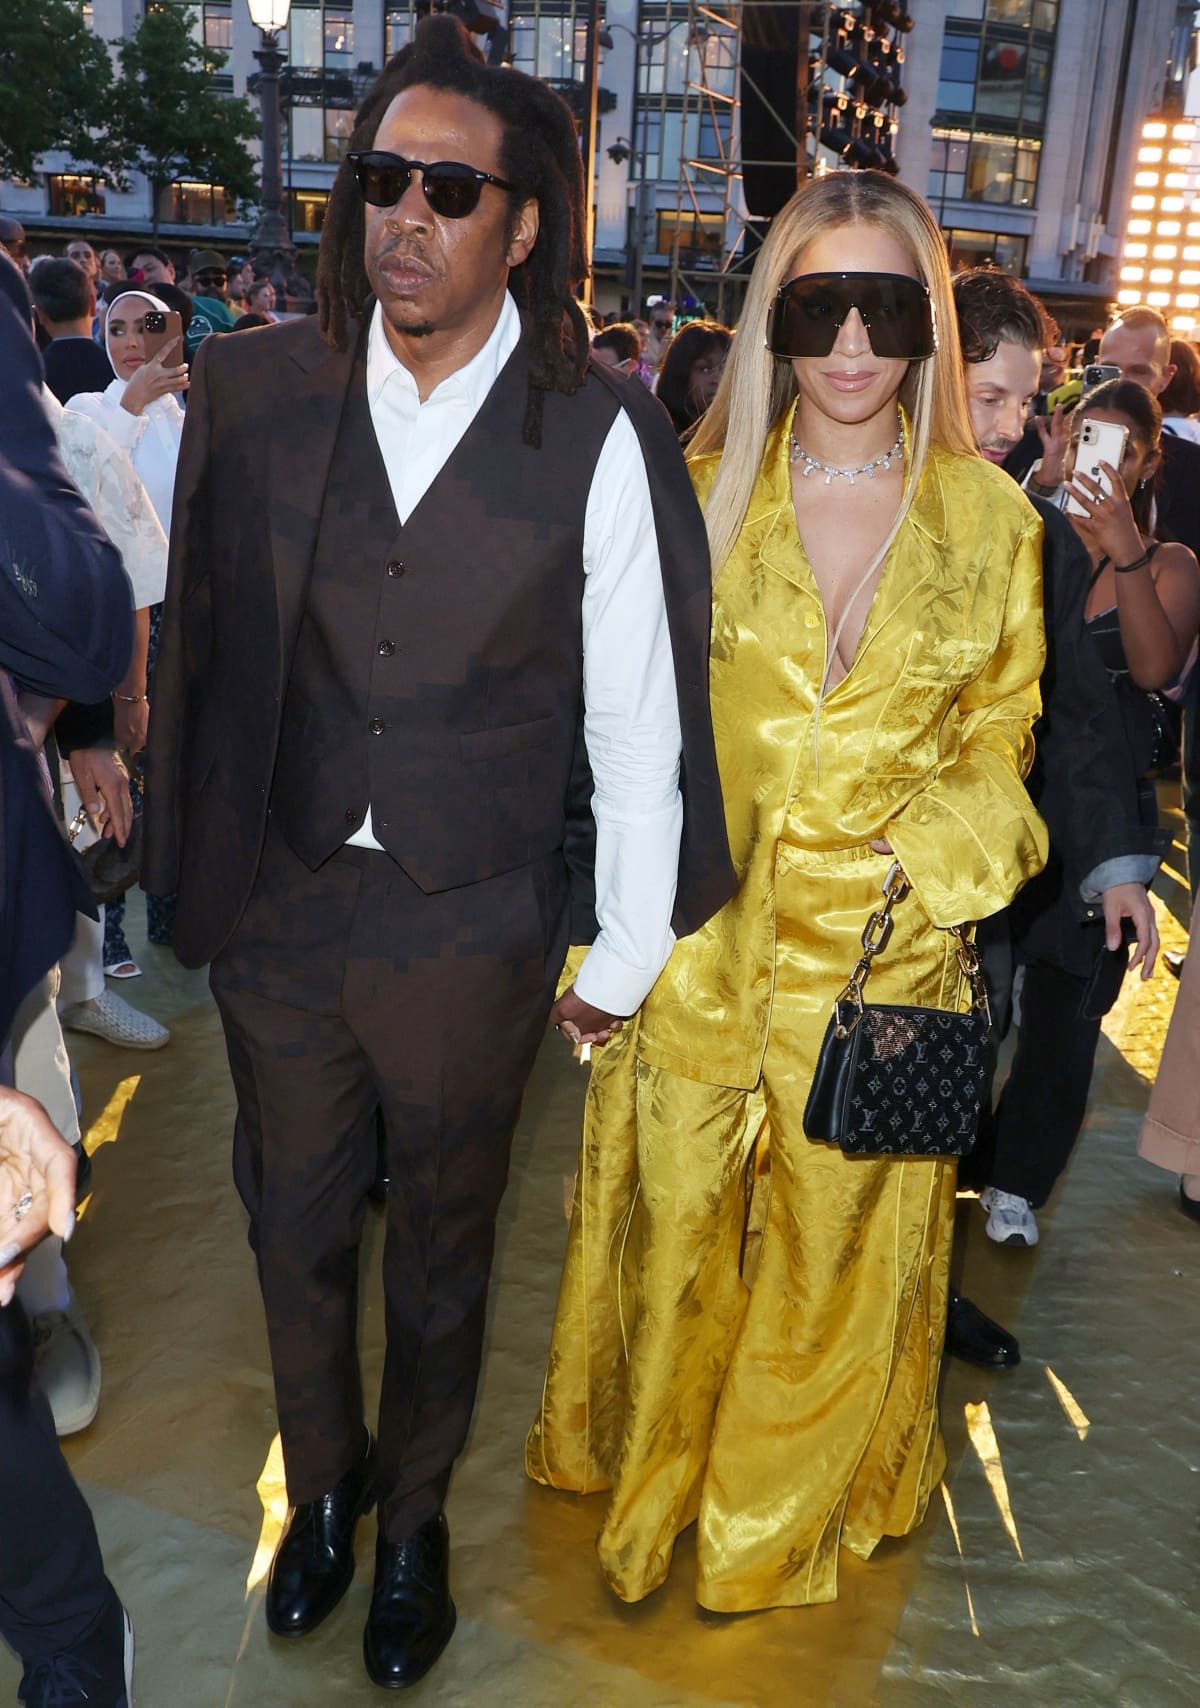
[
  {"x": 395, "y": 568},
  {"x": 386, "y": 648},
  {"x": 377, "y": 726},
  {"x": 351, "y": 816}
]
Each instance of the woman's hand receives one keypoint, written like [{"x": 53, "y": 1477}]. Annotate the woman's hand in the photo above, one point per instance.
[
  {"x": 153, "y": 380},
  {"x": 1108, "y": 525},
  {"x": 37, "y": 1184},
  {"x": 131, "y": 721},
  {"x": 1053, "y": 432},
  {"x": 103, "y": 785}
]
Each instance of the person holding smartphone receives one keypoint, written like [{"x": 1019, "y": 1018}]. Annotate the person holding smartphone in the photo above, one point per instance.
[{"x": 1142, "y": 613}]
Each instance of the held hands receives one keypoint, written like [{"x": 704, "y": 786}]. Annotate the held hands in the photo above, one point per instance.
[
  {"x": 154, "y": 379},
  {"x": 1052, "y": 431},
  {"x": 1108, "y": 526},
  {"x": 103, "y": 785},
  {"x": 1131, "y": 902},
  {"x": 580, "y": 1022},
  {"x": 37, "y": 1184}
]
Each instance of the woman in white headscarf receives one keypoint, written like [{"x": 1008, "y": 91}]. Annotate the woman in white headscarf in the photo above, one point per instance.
[
  {"x": 141, "y": 413},
  {"x": 138, "y": 409}
]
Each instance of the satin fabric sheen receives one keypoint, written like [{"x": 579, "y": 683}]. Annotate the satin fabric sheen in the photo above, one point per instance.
[{"x": 750, "y": 1325}]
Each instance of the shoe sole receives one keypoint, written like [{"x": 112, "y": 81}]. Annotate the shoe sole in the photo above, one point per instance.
[
  {"x": 128, "y": 1658},
  {"x": 386, "y": 1683},
  {"x": 117, "y": 1043},
  {"x": 293, "y": 1632},
  {"x": 1012, "y": 1239}
]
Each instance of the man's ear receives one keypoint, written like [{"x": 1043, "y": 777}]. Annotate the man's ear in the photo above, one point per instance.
[
  {"x": 523, "y": 233},
  {"x": 42, "y": 321},
  {"x": 1169, "y": 373}
]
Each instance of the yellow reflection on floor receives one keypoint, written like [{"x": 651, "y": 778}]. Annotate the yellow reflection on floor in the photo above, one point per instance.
[
  {"x": 272, "y": 1492},
  {"x": 1077, "y": 1417},
  {"x": 106, "y": 1128},
  {"x": 983, "y": 1440},
  {"x": 948, "y": 1503}
]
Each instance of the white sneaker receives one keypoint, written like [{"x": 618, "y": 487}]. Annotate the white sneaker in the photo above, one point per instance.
[
  {"x": 1011, "y": 1220},
  {"x": 68, "y": 1367},
  {"x": 110, "y": 1017}
]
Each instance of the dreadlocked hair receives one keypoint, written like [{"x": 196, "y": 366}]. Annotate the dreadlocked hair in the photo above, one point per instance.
[{"x": 539, "y": 154}]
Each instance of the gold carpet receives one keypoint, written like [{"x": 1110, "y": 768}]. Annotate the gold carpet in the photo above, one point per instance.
[{"x": 1059, "y": 1568}]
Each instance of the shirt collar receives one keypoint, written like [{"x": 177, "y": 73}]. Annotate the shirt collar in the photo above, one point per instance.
[{"x": 471, "y": 382}]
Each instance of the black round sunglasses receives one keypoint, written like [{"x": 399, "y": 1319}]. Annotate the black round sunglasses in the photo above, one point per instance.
[{"x": 451, "y": 189}]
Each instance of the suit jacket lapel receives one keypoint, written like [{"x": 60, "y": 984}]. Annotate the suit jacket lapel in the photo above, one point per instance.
[{"x": 301, "y": 450}]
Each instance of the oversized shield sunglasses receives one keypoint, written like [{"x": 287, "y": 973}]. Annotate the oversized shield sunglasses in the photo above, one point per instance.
[
  {"x": 810, "y": 310},
  {"x": 451, "y": 189}
]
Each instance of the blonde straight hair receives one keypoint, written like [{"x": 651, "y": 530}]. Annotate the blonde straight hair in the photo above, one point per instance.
[{"x": 757, "y": 388}]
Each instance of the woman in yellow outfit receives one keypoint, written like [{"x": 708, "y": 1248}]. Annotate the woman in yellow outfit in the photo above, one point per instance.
[{"x": 770, "y": 1368}]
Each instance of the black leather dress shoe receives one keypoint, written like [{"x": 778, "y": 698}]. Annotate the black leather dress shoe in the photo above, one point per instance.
[
  {"x": 412, "y": 1616},
  {"x": 976, "y": 1339},
  {"x": 314, "y": 1562},
  {"x": 1189, "y": 1206}
]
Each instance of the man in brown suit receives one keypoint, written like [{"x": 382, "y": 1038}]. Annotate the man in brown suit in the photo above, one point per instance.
[{"x": 365, "y": 777}]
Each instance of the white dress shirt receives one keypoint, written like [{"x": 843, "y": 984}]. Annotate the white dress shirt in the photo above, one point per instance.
[{"x": 631, "y": 710}]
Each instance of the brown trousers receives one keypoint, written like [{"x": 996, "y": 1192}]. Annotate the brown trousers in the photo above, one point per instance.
[{"x": 346, "y": 993}]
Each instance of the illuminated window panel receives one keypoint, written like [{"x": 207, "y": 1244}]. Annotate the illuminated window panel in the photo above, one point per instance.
[
  {"x": 1142, "y": 204},
  {"x": 1146, "y": 180},
  {"x": 1176, "y": 181},
  {"x": 1126, "y": 297},
  {"x": 1170, "y": 204},
  {"x": 1148, "y": 156},
  {"x": 1191, "y": 252},
  {"x": 1164, "y": 251},
  {"x": 1135, "y": 251},
  {"x": 1162, "y": 275},
  {"x": 1193, "y": 229},
  {"x": 1187, "y": 299},
  {"x": 1168, "y": 228},
  {"x": 1141, "y": 228},
  {"x": 1189, "y": 277},
  {"x": 1179, "y": 157},
  {"x": 1158, "y": 299},
  {"x": 1133, "y": 274},
  {"x": 1153, "y": 132},
  {"x": 1183, "y": 323},
  {"x": 1181, "y": 133}
]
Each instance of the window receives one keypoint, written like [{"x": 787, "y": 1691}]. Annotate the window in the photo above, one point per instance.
[
  {"x": 188, "y": 202},
  {"x": 987, "y": 249},
  {"x": 321, "y": 133},
  {"x": 701, "y": 237},
  {"x": 339, "y": 122},
  {"x": 984, "y": 169},
  {"x": 339, "y": 40},
  {"x": 74, "y": 195},
  {"x": 1035, "y": 14},
  {"x": 217, "y": 27},
  {"x": 308, "y": 210},
  {"x": 956, "y": 80},
  {"x": 398, "y": 25},
  {"x": 306, "y": 42},
  {"x": 666, "y": 141}
]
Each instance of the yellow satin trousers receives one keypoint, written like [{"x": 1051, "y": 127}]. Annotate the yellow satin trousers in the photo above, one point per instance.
[{"x": 750, "y": 1325}]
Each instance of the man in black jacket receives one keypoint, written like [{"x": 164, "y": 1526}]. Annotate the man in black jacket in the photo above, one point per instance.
[
  {"x": 1101, "y": 857},
  {"x": 66, "y": 630}
]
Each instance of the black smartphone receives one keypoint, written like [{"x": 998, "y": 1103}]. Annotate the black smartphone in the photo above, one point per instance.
[
  {"x": 1108, "y": 973},
  {"x": 1097, "y": 372}
]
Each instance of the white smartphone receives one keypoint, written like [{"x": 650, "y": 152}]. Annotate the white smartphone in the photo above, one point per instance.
[{"x": 1099, "y": 442}]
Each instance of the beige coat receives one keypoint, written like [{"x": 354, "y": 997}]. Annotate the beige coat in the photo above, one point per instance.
[{"x": 1170, "y": 1134}]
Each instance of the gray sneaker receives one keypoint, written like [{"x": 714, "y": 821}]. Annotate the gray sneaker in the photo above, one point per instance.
[
  {"x": 68, "y": 1367},
  {"x": 1010, "y": 1218},
  {"x": 110, "y": 1017}
]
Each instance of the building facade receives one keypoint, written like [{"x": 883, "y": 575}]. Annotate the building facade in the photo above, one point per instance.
[{"x": 1023, "y": 126}]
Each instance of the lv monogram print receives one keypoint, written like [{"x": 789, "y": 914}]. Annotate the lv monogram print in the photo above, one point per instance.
[{"x": 916, "y": 1082}]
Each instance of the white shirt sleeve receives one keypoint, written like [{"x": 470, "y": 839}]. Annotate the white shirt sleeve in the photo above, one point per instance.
[{"x": 631, "y": 727}]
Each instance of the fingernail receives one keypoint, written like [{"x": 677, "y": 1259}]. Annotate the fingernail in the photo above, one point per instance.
[
  {"x": 9, "y": 1253},
  {"x": 70, "y": 1227}
]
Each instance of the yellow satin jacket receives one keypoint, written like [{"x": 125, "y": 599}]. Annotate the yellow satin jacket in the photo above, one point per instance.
[{"x": 925, "y": 740}]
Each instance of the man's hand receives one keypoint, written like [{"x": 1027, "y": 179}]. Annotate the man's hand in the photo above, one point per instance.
[
  {"x": 103, "y": 785},
  {"x": 37, "y": 1184},
  {"x": 582, "y": 1023},
  {"x": 1131, "y": 901},
  {"x": 1055, "y": 433}
]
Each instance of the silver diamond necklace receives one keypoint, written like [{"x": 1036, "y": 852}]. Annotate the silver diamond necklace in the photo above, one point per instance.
[{"x": 813, "y": 465}]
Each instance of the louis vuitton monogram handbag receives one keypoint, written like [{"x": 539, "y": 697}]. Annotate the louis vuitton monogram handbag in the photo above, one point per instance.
[{"x": 900, "y": 1081}]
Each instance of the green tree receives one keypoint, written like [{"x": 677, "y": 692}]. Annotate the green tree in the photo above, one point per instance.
[
  {"x": 169, "y": 120},
  {"x": 55, "y": 87}
]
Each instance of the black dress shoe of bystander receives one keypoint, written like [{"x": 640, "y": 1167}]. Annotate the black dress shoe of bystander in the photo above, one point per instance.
[
  {"x": 975, "y": 1338},
  {"x": 412, "y": 1617},
  {"x": 314, "y": 1562},
  {"x": 1189, "y": 1206}
]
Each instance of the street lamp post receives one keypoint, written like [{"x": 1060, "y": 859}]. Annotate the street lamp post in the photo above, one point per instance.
[
  {"x": 591, "y": 133},
  {"x": 271, "y": 246}
]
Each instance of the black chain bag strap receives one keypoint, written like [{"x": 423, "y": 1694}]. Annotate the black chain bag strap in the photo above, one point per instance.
[{"x": 897, "y": 1081}]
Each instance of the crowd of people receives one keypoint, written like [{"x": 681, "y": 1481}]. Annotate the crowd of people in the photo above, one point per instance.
[{"x": 659, "y": 681}]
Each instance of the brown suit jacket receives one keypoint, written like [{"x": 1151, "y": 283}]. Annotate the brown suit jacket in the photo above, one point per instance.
[{"x": 263, "y": 414}]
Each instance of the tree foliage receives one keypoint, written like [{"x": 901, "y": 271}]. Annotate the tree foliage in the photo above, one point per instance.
[
  {"x": 169, "y": 120},
  {"x": 55, "y": 88}
]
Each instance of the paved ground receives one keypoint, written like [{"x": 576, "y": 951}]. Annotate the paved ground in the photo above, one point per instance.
[{"x": 1059, "y": 1569}]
